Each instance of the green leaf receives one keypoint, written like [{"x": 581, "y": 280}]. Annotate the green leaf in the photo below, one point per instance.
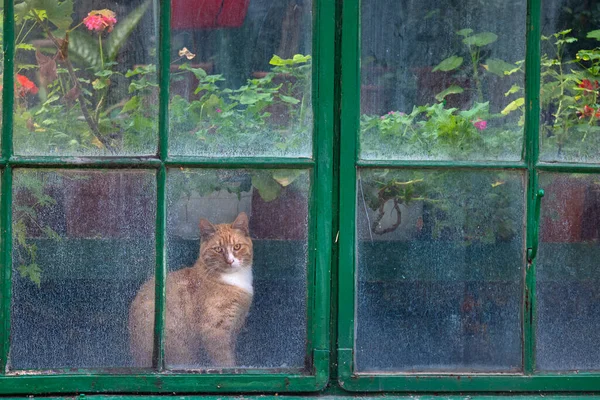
[
  {"x": 513, "y": 89},
  {"x": 100, "y": 83},
  {"x": 84, "y": 49},
  {"x": 277, "y": 61},
  {"x": 141, "y": 70},
  {"x": 288, "y": 99},
  {"x": 25, "y": 46},
  {"x": 594, "y": 34},
  {"x": 449, "y": 64},
  {"x": 464, "y": 32},
  {"x": 480, "y": 39},
  {"x": 123, "y": 29},
  {"x": 32, "y": 271},
  {"x": 513, "y": 105},
  {"x": 286, "y": 177},
  {"x": 199, "y": 73},
  {"x": 57, "y": 12},
  {"x": 454, "y": 89},
  {"x": 498, "y": 67},
  {"x": 131, "y": 104},
  {"x": 268, "y": 189}
]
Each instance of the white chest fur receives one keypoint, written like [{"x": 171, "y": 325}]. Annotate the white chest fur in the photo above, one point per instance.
[{"x": 241, "y": 278}]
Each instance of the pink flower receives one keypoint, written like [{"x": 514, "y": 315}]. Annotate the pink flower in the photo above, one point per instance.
[
  {"x": 99, "y": 20},
  {"x": 219, "y": 110},
  {"x": 480, "y": 124}
]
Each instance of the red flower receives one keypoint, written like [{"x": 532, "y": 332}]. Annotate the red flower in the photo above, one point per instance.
[
  {"x": 99, "y": 20},
  {"x": 25, "y": 86},
  {"x": 588, "y": 86},
  {"x": 588, "y": 112}
]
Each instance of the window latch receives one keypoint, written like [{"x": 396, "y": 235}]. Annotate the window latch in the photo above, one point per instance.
[{"x": 532, "y": 251}]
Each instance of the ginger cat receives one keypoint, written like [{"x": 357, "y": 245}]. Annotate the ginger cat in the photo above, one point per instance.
[{"x": 207, "y": 303}]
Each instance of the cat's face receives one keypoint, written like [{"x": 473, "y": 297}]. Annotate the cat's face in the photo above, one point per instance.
[{"x": 226, "y": 247}]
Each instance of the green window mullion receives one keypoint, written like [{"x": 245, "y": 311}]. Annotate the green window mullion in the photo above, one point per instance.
[
  {"x": 532, "y": 121},
  {"x": 349, "y": 126},
  {"x": 8, "y": 47},
  {"x": 6, "y": 266},
  {"x": 158, "y": 358}
]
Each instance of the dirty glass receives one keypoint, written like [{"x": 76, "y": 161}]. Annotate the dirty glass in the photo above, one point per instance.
[
  {"x": 567, "y": 277},
  {"x": 440, "y": 278},
  {"x": 276, "y": 202},
  {"x": 83, "y": 241},
  {"x": 442, "y": 81},
  {"x": 241, "y": 78},
  {"x": 85, "y": 74},
  {"x": 570, "y": 128}
]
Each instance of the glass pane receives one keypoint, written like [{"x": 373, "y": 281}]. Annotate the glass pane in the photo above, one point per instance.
[
  {"x": 442, "y": 81},
  {"x": 241, "y": 78},
  {"x": 91, "y": 90},
  {"x": 568, "y": 281},
  {"x": 207, "y": 304},
  {"x": 570, "y": 70},
  {"x": 440, "y": 271},
  {"x": 83, "y": 242}
]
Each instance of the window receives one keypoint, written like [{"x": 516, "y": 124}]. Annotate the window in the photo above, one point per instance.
[
  {"x": 127, "y": 124},
  {"x": 413, "y": 185},
  {"x": 450, "y": 183}
]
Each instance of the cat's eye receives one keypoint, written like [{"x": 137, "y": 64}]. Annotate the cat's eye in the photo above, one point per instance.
[
  {"x": 218, "y": 249},
  {"x": 237, "y": 247}
]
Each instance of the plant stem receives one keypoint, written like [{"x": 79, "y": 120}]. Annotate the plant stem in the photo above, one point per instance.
[
  {"x": 101, "y": 51},
  {"x": 80, "y": 98},
  {"x": 475, "y": 62}
]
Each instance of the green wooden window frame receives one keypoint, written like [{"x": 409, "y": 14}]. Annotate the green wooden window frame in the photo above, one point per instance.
[
  {"x": 528, "y": 379},
  {"x": 157, "y": 379}
]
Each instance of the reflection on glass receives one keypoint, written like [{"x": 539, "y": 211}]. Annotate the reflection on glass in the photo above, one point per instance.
[
  {"x": 83, "y": 241},
  {"x": 85, "y": 78},
  {"x": 442, "y": 82},
  {"x": 567, "y": 278},
  {"x": 243, "y": 89},
  {"x": 439, "y": 283},
  {"x": 570, "y": 116},
  {"x": 209, "y": 208}
]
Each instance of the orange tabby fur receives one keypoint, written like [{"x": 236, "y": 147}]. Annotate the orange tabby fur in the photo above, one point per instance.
[{"x": 207, "y": 303}]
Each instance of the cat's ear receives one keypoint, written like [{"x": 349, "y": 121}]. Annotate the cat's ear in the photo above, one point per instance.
[
  {"x": 241, "y": 223},
  {"x": 206, "y": 228}
]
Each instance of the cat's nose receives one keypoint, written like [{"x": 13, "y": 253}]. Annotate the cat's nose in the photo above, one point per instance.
[{"x": 229, "y": 261}]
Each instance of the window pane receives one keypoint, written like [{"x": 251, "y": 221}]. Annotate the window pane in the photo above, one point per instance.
[
  {"x": 440, "y": 278},
  {"x": 275, "y": 333},
  {"x": 570, "y": 128},
  {"x": 568, "y": 282},
  {"x": 241, "y": 78},
  {"x": 442, "y": 81},
  {"x": 101, "y": 98},
  {"x": 83, "y": 241}
]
